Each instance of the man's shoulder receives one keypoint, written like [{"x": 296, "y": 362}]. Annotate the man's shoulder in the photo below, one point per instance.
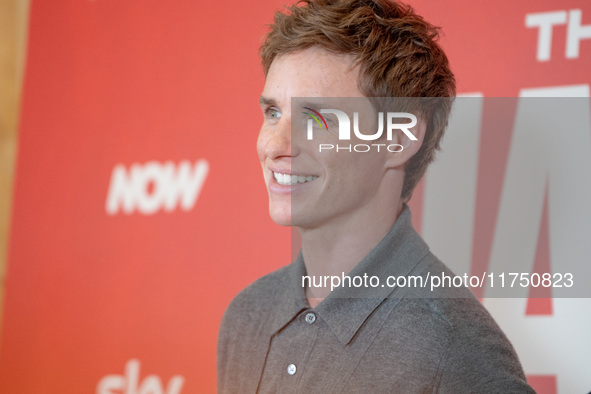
[
  {"x": 454, "y": 306},
  {"x": 477, "y": 351},
  {"x": 447, "y": 301}
]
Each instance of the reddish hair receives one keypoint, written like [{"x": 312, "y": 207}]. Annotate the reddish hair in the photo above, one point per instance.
[{"x": 397, "y": 52}]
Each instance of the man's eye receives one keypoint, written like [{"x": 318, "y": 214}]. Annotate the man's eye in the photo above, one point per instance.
[{"x": 272, "y": 113}]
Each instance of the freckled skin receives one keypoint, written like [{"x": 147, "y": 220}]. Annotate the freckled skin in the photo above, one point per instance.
[{"x": 348, "y": 183}]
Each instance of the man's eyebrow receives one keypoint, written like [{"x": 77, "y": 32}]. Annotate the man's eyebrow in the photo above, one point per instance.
[
  {"x": 317, "y": 105},
  {"x": 267, "y": 101}
]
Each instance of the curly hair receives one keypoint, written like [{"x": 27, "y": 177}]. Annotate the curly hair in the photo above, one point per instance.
[{"x": 396, "y": 49}]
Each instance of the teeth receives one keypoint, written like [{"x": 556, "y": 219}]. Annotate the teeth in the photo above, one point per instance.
[{"x": 286, "y": 179}]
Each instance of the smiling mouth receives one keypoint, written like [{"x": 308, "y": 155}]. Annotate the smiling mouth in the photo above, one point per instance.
[{"x": 286, "y": 179}]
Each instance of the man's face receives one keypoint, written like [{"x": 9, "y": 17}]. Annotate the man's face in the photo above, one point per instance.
[{"x": 331, "y": 187}]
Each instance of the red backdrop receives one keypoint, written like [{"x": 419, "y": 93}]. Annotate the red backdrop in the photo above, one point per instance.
[{"x": 117, "y": 95}]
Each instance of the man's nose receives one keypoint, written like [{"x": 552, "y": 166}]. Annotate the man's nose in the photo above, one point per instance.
[{"x": 279, "y": 140}]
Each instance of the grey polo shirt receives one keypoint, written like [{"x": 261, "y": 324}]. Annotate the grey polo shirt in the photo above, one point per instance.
[{"x": 371, "y": 340}]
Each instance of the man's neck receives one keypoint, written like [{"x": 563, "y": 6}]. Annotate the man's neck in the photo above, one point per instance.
[{"x": 337, "y": 249}]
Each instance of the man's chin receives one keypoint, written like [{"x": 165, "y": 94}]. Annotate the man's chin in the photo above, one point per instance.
[
  {"x": 283, "y": 223},
  {"x": 281, "y": 218},
  {"x": 285, "y": 216}
]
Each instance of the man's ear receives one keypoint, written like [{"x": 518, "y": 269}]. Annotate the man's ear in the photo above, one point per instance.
[{"x": 409, "y": 147}]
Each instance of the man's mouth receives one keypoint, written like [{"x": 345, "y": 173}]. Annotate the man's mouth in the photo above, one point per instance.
[{"x": 286, "y": 179}]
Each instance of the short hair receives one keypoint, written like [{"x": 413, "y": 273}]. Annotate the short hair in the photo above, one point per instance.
[{"x": 396, "y": 49}]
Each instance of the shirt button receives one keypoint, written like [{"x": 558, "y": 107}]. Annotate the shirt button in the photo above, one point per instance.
[
  {"x": 291, "y": 369},
  {"x": 310, "y": 318}
]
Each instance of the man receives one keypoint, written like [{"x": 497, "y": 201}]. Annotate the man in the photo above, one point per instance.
[{"x": 284, "y": 333}]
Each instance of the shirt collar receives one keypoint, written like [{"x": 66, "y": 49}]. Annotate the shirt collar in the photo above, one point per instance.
[{"x": 345, "y": 309}]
